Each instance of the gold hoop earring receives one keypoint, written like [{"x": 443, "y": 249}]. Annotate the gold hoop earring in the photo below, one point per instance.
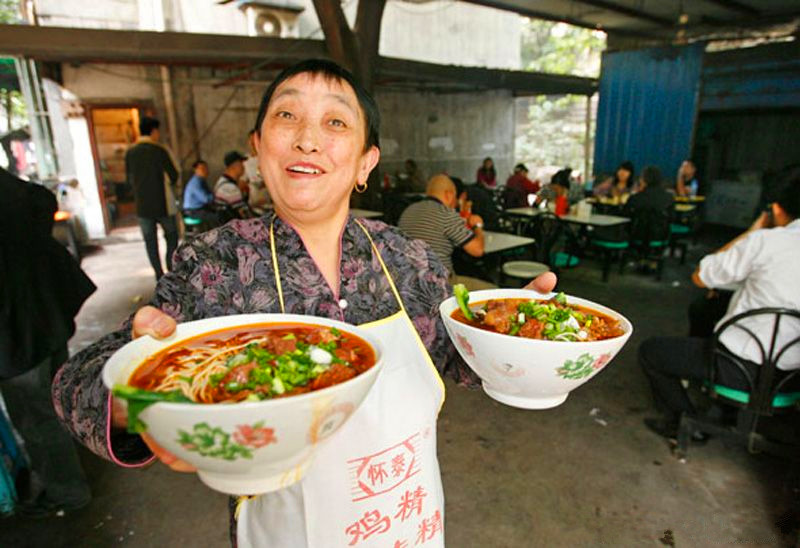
[{"x": 361, "y": 187}]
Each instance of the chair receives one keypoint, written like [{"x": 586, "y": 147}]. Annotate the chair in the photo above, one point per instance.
[
  {"x": 650, "y": 236},
  {"x": 771, "y": 390},
  {"x": 613, "y": 243}
]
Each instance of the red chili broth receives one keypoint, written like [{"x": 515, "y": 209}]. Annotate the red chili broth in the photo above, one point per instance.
[
  {"x": 152, "y": 371},
  {"x": 458, "y": 315}
]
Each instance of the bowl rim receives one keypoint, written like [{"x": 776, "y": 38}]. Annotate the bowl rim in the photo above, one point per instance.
[
  {"x": 447, "y": 306},
  {"x": 246, "y": 319}
]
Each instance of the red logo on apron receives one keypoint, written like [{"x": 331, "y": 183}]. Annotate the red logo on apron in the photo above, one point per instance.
[{"x": 381, "y": 472}]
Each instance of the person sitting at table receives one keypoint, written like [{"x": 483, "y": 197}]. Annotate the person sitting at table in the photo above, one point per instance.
[
  {"x": 486, "y": 175},
  {"x": 435, "y": 221},
  {"x": 519, "y": 187},
  {"x": 764, "y": 262},
  {"x": 229, "y": 199},
  {"x": 410, "y": 178},
  {"x": 198, "y": 201},
  {"x": 621, "y": 187},
  {"x": 652, "y": 195},
  {"x": 602, "y": 185},
  {"x": 559, "y": 186},
  {"x": 686, "y": 183}
]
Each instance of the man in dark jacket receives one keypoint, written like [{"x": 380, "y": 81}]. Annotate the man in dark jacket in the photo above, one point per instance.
[
  {"x": 41, "y": 290},
  {"x": 151, "y": 172}
]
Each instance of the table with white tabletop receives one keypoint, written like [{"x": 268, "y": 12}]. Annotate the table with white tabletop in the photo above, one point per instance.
[
  {"x": 495, "y": 242},
  {"x": 595, "y": 219},
  {"x": 365, "y": 213}
]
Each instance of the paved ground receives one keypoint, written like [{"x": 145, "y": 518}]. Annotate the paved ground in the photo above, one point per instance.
[{"x": 512, "y": 478}]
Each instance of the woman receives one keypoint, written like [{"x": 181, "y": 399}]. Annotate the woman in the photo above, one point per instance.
[
  {"x": 317, "y": 139},
  {"x": 486, "y": 175},
  {"x": 620, "y": 189}
]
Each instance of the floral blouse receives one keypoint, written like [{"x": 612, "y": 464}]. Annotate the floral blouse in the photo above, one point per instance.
[{"x": 229, "y": 271}]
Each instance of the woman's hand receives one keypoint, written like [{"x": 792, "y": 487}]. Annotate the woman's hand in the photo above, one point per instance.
[
  {"x": 149, "y": 320},
  {"x": 544, "y": 283}
]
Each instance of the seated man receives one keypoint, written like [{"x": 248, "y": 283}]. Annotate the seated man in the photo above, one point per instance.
[
  {"x": 198, "y": 201},
  {"x": 228, "y": 197},
  {"x": 765, "y": 263},
  {"x": 435, "y": 221},
  {"x": 520, "y": 187}
]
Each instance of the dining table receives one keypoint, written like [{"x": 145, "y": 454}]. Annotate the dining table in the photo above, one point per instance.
[{"x": 594, "y": 219}]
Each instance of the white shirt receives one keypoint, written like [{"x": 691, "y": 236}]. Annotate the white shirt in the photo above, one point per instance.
[{"x": 767, "y": 265}]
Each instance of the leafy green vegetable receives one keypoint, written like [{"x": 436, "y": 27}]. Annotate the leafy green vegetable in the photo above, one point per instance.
[
  {"x": 462, "y": 298},
  {"x": 139, "y": 400}
]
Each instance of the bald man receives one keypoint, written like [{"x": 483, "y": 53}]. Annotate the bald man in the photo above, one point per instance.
[{"x": 435, "y": 221}]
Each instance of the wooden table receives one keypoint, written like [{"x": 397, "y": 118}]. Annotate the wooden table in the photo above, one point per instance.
[{"x": 365, "y": 213}]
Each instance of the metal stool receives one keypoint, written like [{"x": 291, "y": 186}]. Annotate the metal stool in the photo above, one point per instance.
[{"x": 524, "y": 270}]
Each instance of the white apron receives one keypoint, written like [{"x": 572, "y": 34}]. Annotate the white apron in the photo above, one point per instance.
[{"x": 376, "y": 482}]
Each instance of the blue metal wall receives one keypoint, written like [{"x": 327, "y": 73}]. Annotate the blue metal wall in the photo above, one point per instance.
[
  {"x": 751, "y": 78},
  {"x": 648, "y": 102}
]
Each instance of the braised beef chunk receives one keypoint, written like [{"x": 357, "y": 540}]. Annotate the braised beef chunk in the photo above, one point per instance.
[
  {"x": 321, "y": 335},
  {"x": 281, "y": 346},
  {"x": 532, "y": 329},
  {"x": 499, "y": 315}
]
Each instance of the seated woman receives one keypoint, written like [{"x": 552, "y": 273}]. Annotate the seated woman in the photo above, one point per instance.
[
  {"x": 317, "y": 138},
  {"x": 486, "y": 175},
  {"x": 617, "y": 191}
]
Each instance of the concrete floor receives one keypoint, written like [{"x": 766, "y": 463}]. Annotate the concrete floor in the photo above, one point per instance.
[{"x": 512, "y": 478}]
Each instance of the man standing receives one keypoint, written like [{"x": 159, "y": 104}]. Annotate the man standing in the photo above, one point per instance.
[
  {"x": 228, "y": 197},
  {"x": 765, "y": 264},
  {"x": 435, "y": 221},
  {"x": 152, "y": 173}
]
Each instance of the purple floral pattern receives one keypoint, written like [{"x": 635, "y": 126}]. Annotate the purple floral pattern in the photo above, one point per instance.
[{"x": 229, "y": 271}]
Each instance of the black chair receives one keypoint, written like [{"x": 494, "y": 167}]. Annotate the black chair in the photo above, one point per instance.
[
  {"x": 394, "y": 203},
  {"x": 771, "y": 390},
  {"x": 650, "y": 236}
]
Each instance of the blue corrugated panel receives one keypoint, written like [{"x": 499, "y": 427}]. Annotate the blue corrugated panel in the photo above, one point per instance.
[
  {"x": 761, "y": 77},
  {"x": 648, "y": 102}
]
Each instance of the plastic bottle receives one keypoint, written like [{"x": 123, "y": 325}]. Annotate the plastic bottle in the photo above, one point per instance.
[{"x": 693, "y": 188}]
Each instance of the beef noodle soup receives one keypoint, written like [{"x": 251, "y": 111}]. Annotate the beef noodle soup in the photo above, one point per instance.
[
  {"x": 255, "y": 362},
  {"x": 552, "y": 320}
]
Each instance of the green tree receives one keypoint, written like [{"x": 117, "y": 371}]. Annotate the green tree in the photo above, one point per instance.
[
  {"x": 9, "y": 11},
  {"x": 553, "y": 133}
]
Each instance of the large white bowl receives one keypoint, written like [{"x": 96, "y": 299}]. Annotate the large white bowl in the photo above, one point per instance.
[
  {"x": 530, "y": 373},
  {"x": 274, "y": 440}
]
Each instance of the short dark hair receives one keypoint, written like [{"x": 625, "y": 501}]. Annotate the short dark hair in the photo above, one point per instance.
[
  {"x": 788, "y": 197},
  {"x": 651, "y": 175},
  {"x": 520, "y": 167},
  {"x": 330, "y": 71},
  {"x": 459, "y": 184},
  {"x": 561, "y": 177},
  {"x": 199, "y": 162},
  {"x": 147, "y": 125}
]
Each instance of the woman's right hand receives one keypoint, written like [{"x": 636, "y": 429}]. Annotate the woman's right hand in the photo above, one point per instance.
[{"x": 149, "y": 320}]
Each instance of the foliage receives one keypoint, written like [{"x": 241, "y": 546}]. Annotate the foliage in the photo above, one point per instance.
[
  {"x": 9, "y": 11},
  {"x": 561, "y": 49},
  {"x": 13, "y": 100},
  {"x": 554, "y": 132}
]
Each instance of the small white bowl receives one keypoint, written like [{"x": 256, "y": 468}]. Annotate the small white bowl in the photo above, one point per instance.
[
  {"x": 530, "y": 373},
  {"x": 268, "y": 444}
]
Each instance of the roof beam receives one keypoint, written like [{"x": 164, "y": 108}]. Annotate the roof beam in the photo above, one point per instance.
[
  {"x": 68, "y": 45},
  {"x": 86, "y": 45},
  {"x": 520, "y": 82},
  {"x": 629, "y": 12},
  {"x": 536, "y": 14},
  {"x": 733, "y": 5}
]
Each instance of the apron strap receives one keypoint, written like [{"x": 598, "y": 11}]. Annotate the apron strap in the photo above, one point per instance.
[
  {"x": 277, "y": 272},
  {"x": 383, "y": 266},
  {"x": 275, "y": 268}
]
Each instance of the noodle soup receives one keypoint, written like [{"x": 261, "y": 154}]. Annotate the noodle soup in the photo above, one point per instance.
[{"x": 255, "y": 362}]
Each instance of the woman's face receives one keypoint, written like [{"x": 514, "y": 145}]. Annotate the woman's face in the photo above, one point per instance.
[
  {"x": 488, "y": 163},
  {"x": 311, "y": 147},
  {"x": 623, "y": 175}
]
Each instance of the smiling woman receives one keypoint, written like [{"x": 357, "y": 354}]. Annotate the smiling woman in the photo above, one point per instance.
[{"x": 317, "y": 138}]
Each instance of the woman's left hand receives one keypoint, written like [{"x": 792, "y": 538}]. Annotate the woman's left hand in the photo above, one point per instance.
[{"x": 543, "y": 283}]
